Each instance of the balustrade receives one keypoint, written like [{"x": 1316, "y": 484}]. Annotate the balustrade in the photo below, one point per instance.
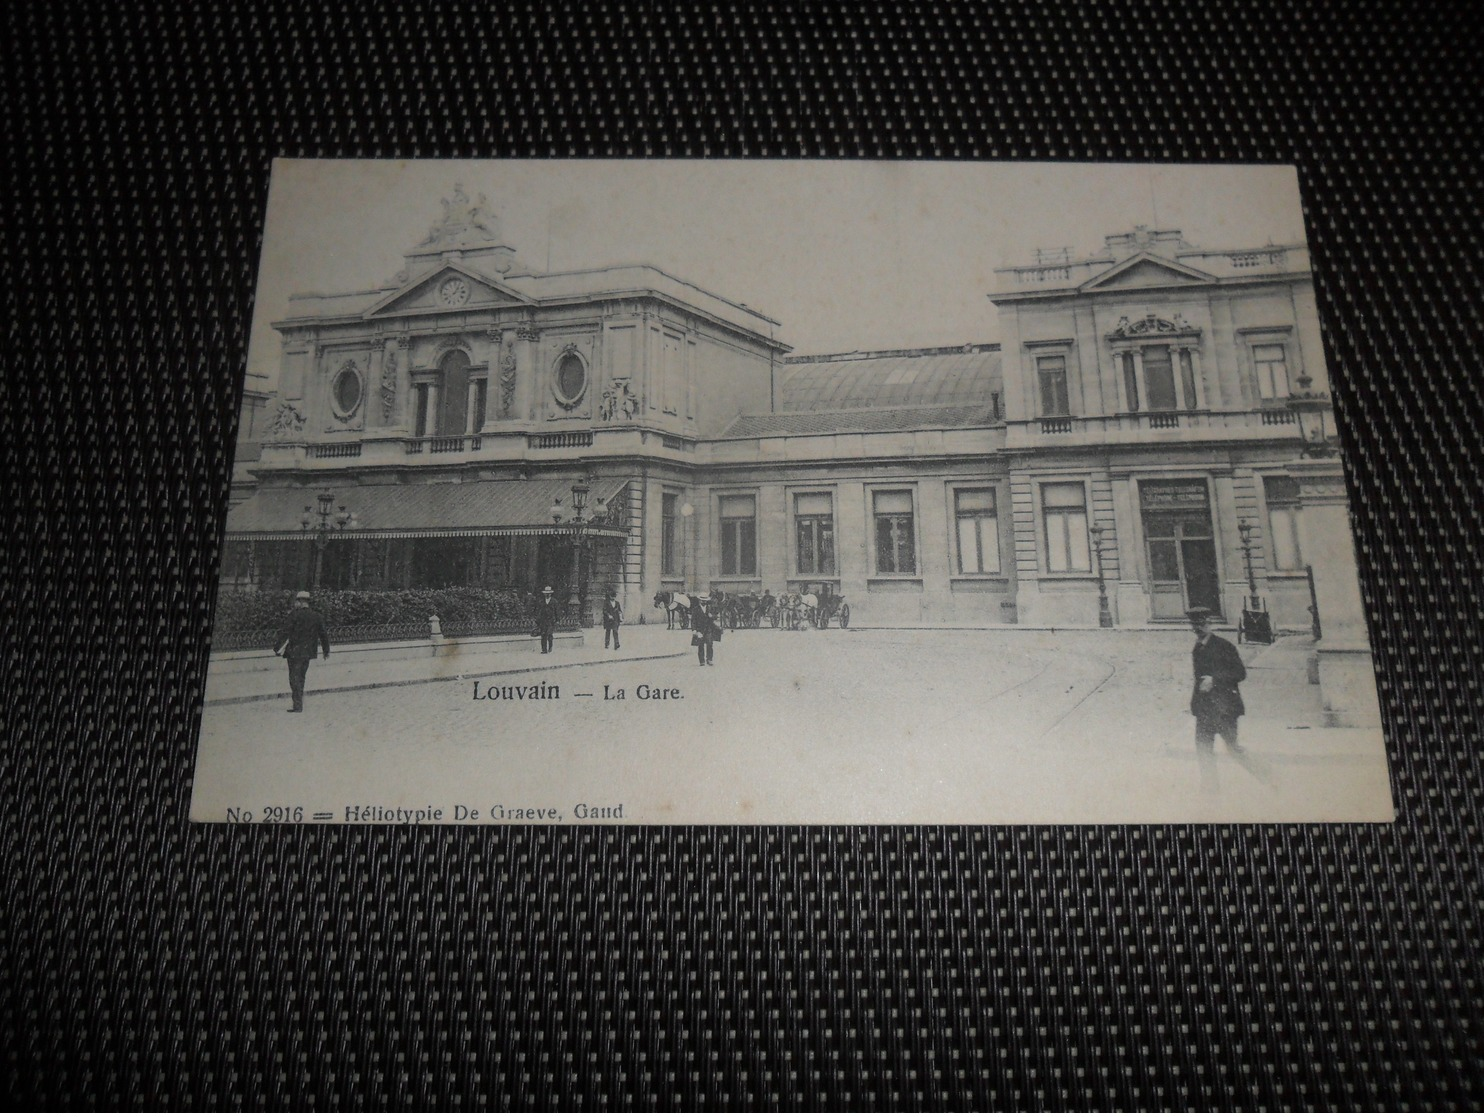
[
  {"x": 443, "y": 444},
  {"x": 336, "y": 450},
  {"x": 560, "y": 440}
]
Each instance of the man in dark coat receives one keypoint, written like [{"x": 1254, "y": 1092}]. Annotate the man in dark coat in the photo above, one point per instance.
[
  {"x": 546, "y": 619},
  {"x": 704, "y": 630},
  {"x": 612, "y": 618},
  {"x": 300, "y": 640},
  {"x": 1215, "y": 697}
]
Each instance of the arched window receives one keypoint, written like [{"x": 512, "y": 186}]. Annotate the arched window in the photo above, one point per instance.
[{"x": 453, "y": 369}]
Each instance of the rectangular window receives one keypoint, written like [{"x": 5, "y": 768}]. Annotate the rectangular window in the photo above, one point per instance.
[
  {"x": 669, "y": 535},
  {"x": 1064, "y": 506},
  {"x": 1130, "y": 381},
  {"x": 739, "y": 535},
  {"x": 1283, "y": 514},
  {"x": 1271, "y": 363},
  {"x": 477, "y": 400},
  {"x": 814, "y": 532},
  {"x": 896, "y": 550},
  {"x": 1159, "y": 378},
  {"x": 1187, "y": 379},
  {"x": 1052, "y": 372},
  {"x": 978, "y": 531},
  {"x": 421, "y": 399}
]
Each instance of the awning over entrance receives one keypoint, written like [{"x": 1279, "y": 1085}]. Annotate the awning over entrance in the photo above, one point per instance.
[{"x": 418, "y": 511}]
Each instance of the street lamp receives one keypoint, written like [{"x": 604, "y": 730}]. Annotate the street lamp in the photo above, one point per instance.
[
  {"x": 1257, "y": 626},
  {"x": 1105, "y": 615},
  {"x": 323, "y": 522},
  {"x": 581, "y": 517},
  {"x": 1310, "y": 406}
]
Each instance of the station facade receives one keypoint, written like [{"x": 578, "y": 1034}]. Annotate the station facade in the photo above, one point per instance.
[{"x": 1126, "y": 428}]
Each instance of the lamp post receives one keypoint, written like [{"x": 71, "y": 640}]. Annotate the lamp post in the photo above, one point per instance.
[
  {"x": 1257, "y": 626},
  {"x": 687, "y": 514},
  {"x": 1105, "y": 615},
  {"x": 323, "y": 522},
  {"x": 580, "y": 518},
  {"x": 1245, "y": 530}
]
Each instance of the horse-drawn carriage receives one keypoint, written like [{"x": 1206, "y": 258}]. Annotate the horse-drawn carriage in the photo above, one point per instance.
[
  {"x": 741, "y": 610},
  {"x": 824, "y": 606},
  {"x": 816, "y": 608}
]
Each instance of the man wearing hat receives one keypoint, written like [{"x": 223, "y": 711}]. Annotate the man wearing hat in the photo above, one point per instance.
[
  {"x": 612, "y": 618},
  {"x": 546, "y": 619},
  {"x": 1215, "y": 699},
  {"x": 704, "y": 629},
  {"x": 300, "y": 640}
]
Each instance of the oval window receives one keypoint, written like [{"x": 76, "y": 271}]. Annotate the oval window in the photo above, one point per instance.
[
  {"x": 571, "y": 378},
  {"x": 347, "y": 390}
]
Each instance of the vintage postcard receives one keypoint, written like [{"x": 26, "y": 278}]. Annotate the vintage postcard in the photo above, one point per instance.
[{"x": 593, "y": 493}]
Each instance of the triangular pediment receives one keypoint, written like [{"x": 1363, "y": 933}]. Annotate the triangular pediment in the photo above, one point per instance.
[
  {"x": 1146, "y": 270},
  {"x": 449, "y": 286}
]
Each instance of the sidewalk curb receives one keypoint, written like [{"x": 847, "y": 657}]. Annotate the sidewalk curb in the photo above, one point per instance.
[{"x": 282, "y": 694}]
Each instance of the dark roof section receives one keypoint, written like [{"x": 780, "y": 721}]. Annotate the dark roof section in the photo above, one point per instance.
[
  {"x": 434, "y": 508},
  {"x": 860, "y": 420},
  {"x": 948, "y": 377}
]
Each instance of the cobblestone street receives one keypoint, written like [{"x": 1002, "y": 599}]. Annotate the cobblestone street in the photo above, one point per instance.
[{"x": 947, "y": 726}]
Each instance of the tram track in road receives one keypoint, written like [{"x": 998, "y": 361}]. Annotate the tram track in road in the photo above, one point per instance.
[{"x": 1112, "y": 671}]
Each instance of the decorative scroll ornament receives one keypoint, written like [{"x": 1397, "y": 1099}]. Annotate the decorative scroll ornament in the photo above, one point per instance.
[
  {"x": 452, "y": 341},
  {"x": 507, "y": 380},
  {"x": 288, "y": 421},
  {"x": 619, "y": 401},
  {"x": 389, "y": 384},
  {"x": 1152, "y": 324}
]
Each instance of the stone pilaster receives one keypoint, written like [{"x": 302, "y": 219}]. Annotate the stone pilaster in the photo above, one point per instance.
[
  {"x": 527, "y": 352},
  {"x": 403, "y": 388},
  {"x": 1347, "y": 673}
]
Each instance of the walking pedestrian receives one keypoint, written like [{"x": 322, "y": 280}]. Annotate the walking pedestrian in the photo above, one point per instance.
[
  {"x": 1215, "y": 697},
  {"x": 704, "y": 630},
  {"x": 300, "y": 640},
  {"x": 546, "y": 619},
  {"x": 612, "y": 618}
]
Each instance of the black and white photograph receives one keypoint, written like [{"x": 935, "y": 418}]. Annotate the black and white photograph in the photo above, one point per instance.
[{"x": 710, "y": 492}]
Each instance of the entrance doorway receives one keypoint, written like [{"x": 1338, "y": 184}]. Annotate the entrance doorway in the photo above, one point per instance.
[{"x": 1181, "y": 548}]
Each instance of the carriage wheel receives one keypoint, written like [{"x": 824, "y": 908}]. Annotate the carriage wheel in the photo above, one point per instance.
[{"x": 844, "y": 616}]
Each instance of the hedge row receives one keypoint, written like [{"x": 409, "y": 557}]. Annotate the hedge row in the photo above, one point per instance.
[{"x": 253, "y": 610}]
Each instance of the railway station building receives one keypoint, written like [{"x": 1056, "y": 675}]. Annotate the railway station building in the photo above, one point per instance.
[{"x": 1130, "y": 426}]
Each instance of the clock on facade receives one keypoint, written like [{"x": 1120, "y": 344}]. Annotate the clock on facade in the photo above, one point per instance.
[{"x": 453, "y": 292}]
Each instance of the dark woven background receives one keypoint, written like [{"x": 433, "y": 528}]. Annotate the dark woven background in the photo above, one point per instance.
[{"x": 146, "y": 961}]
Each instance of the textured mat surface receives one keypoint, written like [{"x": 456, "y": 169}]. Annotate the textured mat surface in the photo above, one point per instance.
[{"x": 145, "y": 961}]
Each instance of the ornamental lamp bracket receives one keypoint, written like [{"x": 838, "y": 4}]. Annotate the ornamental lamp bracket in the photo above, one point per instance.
[{"x": 1311, "y": 407}]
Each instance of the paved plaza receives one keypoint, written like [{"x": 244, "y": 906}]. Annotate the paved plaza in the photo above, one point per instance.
[{"x": 858, "y": 726}]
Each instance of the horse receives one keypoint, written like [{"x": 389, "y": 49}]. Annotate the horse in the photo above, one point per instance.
[
  {"x": 677, "y": 607},
  {"x": 743, "y": 610}
]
